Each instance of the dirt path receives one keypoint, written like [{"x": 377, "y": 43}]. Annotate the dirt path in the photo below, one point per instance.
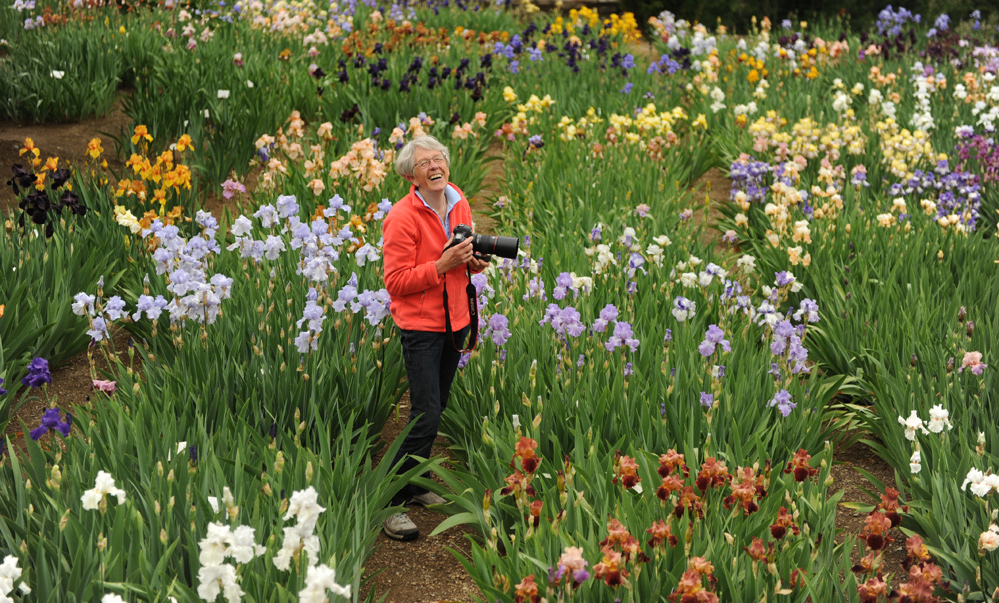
[{"x": 67, "y": 141}]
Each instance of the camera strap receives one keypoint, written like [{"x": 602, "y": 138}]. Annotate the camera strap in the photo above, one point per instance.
[{"x": 473, "y": 313}]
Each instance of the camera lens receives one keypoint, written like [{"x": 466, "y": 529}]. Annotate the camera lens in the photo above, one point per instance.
[{"x": 504, "y": 247}]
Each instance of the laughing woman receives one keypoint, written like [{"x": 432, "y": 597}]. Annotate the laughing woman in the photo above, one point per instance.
[{"x": 418, "y": 264}]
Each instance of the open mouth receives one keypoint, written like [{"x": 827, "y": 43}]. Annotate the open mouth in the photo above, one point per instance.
[{"x": 435, "y": 177}]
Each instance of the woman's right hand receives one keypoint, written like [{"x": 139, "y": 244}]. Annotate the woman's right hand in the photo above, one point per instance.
[{"x": 454, "y": 257}]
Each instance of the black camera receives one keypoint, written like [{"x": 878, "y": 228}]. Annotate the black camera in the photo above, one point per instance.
[{"x": 485, "y": 246}]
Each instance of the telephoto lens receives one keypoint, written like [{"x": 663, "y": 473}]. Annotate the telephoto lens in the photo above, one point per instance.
[{"x": 505, "y": 247}]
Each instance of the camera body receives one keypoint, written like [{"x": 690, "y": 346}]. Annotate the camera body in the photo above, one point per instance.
[{"x": 486, "y": 246}]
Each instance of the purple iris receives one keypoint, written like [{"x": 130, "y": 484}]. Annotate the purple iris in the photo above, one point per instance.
[
  {"x": 2, "y": 390},
  {"x": 499, "y": 329},
  {"x": 38, "y": 373},
  {"x": 707, "y": 399},
  {"x": 714, "y": 336},
  {"x": 608, "y": 314},
  {"x": 622, "y": 336},
  {"x": 50, "y": 420},
  {"x": 782, "y": 400},
  {"x": 562, "y": 285},
  {"x": 784, "y": 278}
]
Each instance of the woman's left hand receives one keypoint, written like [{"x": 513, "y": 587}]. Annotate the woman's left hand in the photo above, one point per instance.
[{"x": 477, "y": 265}]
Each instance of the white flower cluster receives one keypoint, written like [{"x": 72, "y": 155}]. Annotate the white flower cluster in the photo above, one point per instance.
[
  {"x": 304, "y": 506},
  {"x": 9, "y": 574},
  {"x": 939, "y": 420},
  {"x": 604, "y": 257},
  {"x": 319, "y": 579},
  {"x": 92, "y": 499},
  {"x": 922, "y": 118},
  {"x": 982, "y": 484},
  {"x": 989, "y": 540},
  {"x": 655, "y": 251},
  {"x": 215, "y": 576},
  {"x": 915, "y": 461},
  {"x": 717, "y": 96}
]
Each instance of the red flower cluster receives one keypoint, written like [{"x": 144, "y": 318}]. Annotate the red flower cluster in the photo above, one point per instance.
[
  {"x": 519, "y": 483},
  {"x": 618, "y": 548},
  {"x": 625, "y": 471},
  {"x": 759, "y": 552},
  {"x": 800, "y": 467},
  {"x": 525, "y": 452},
  {"x": 660, "y": 533},
  {"x": 527, "y": 590},
  {"x": 670, "y": 461},
  {"x": 691, "y": 588},
  {"x": 712, "y": 473},
  {"x": 746, "y": 486},
  {"x": 784, "y": 521}
]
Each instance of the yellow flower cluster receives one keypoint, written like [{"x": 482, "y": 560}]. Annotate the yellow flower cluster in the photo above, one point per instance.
[
  {"x": 651, "y": 130},
  {"x": 302, "y": 16},
  {"x": 533, "y": 105},
  {"x": 570, "y": 129},
  {"x": 902, "y": 150},
  {"x": 156, "y": 176},
  {"x": 624, "y": 25},
  {"x": 807, "y": 137}
]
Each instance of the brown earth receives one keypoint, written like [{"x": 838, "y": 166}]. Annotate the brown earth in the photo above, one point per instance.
[
  {"x": 67, "y": 141},
  {"x": 425, "y": 570}
]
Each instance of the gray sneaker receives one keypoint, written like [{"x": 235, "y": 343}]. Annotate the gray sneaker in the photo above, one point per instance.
[
  {"x": 429, "y": 498},
  {"x": 400, "y": 527}
]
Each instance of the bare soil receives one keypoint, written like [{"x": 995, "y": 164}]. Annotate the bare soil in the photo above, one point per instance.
[
  {"x": 425, "y": 570},
  {"x": 67, "y": 141},
  {"x": 422, "y": 570}
]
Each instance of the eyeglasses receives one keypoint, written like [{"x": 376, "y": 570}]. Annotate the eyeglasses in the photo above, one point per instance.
[{"x": 437, "y": 160}]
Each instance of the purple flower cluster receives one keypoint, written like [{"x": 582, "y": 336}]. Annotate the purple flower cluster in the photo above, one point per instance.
[
  {"x": 749, "y": 176},
  {"x": 565, "y": 321},
  {"x": 782, "y": 400},
  {"x": 315, "y": 315},
  {"x": 185, "y": 262},
  {"x": 713, "y": 338},
  {"x": 564, "y": 284},
  {"x": 607, "y": 315},
  {"x": 956, "y": 192},
  {"x": 536, "y": 288},
  {"x": 38, "y": 373},
  {"x": 623, "y": 336},
  {"x": 787, "y": 344},
  {"x": 51, "y": 421},
  {"x": 497, "y": 329},
  {"x": 808, "y": 310},
  {"x": 890, "y": 21},
  {"x": 375, "y": 304}
]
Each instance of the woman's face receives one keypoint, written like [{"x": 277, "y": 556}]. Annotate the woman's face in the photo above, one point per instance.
[{"x": 430, "y": 170}]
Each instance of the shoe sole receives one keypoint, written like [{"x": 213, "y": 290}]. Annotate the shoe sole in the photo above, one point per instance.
[{"x": 402, "y": 536}]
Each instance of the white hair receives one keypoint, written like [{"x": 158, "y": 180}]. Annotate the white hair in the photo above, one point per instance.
[{"x": 404, "y": 160}]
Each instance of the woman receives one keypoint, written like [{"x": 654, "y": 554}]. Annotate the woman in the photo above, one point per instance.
[{"x": 418, "y": 263}]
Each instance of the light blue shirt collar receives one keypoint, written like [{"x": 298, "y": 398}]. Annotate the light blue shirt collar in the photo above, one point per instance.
[{"x": 453, "y": 198}]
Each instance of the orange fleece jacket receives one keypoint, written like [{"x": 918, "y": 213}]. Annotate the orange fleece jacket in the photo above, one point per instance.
[{"x": 414, "y": 240}]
